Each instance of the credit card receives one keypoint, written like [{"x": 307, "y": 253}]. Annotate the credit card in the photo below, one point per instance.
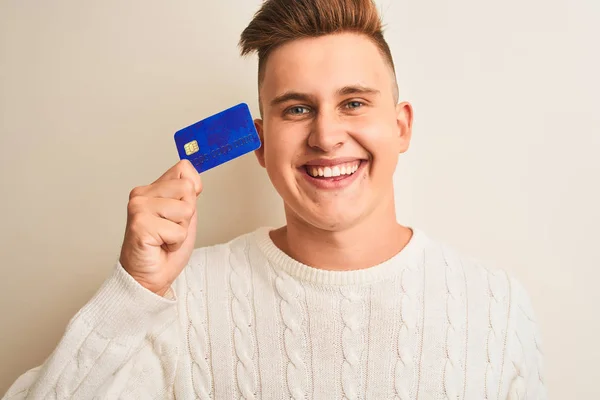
[{"x": 219, "y": 138}]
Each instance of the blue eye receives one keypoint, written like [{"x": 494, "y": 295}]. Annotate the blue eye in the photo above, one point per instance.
[
  {"x": 298, "y": 110},
  {"x": 354, "y": 104}
]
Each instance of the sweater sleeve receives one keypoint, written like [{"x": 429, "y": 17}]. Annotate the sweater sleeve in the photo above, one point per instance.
[
  {"x": 524, "y": 349},
  {"x": 123, "y": 341}
]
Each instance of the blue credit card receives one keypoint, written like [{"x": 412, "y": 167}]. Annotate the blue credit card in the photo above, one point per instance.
[{"x": 219, "y": 138}]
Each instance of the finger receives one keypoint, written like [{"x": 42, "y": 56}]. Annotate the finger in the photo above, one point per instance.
[
  {"x": 178, "y": 189},
  {"x": 170, "y": 234},
  {"x": 183, "y": 170},
  {"x": 177, "y": 211}
]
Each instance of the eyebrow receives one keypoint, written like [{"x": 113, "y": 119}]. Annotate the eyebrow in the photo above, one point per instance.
[
  {"x": 356, "y": 89},
  {"x": 346, "y": 90},
  {"x": 289, "y": 96}
]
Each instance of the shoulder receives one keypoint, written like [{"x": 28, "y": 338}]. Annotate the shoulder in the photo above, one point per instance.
[
  {"x": 493, "y": 294},
  {"x": 224, "y": 254},
  {"x": 496, "y": 300},
  {"x": 500, "y": 313},
  {"x": 493, "y": 280}
]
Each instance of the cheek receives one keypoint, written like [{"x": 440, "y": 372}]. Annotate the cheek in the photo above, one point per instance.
[
  {"x": 378, "y": 139},
  {"x": 283, "y": 143}
]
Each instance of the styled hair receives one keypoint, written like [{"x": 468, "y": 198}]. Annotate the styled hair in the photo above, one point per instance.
[{"x": 280, "y": 21}]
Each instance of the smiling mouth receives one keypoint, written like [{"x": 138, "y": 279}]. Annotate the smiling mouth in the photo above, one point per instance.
[{"x": 334, "y": 171}]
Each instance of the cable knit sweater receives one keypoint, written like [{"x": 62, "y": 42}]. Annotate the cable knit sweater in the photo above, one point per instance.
[{"x": 245, "y": 321}]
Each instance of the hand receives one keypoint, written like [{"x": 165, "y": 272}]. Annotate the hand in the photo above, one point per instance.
[{"x": 161, "y": 227}]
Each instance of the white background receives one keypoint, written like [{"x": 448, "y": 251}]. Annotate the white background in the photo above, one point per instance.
[{"x": 504, "y": 163}]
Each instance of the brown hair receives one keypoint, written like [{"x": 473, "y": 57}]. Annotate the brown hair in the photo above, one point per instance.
[{"x": 280, "y": 21}]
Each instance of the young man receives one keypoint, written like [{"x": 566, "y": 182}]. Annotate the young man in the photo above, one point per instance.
[{"x": 342, "y": 302}]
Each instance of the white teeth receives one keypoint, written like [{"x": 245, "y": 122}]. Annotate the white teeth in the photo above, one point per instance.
[{"x": 335, "y": 171}]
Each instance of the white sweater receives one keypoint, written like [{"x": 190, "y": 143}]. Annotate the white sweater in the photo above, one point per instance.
[{"x": 244, "y": 320}]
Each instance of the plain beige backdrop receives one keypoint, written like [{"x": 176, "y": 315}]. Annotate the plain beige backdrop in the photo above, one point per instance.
[{"x": 504, "y": 163}]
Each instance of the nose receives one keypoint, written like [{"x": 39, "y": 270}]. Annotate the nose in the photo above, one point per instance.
[{"x": 327, "y": 132}]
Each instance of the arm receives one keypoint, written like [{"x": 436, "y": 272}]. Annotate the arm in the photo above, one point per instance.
[
  {"x": 124, "y": 339},
  {"x": 524, "y": 349}
]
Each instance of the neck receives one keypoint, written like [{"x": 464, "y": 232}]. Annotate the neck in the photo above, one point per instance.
[{"x": 373, "y": 240}]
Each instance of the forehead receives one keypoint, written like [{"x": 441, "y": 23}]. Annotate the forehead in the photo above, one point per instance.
[{"x": 322, "y": 65}]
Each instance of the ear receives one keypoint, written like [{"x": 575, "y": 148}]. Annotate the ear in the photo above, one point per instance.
[
  {"x": 260, "y": 152},
  {"x": 404, "y": 120}
]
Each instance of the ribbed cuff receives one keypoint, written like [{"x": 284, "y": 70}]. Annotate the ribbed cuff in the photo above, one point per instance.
[{"x": 123, "y": 307}]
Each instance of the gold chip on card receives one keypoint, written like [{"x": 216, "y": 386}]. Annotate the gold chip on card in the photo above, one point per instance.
[{"x": 191, "y": 147}]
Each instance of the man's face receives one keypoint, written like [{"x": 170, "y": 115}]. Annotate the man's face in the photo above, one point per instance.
[{"x": 331, "y": 129}]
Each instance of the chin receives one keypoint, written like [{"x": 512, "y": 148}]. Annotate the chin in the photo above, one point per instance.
[
  {"x": 334, "y": 221},
  {"x": 336, "y": 213}
]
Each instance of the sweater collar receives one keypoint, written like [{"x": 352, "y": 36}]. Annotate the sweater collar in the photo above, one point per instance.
[{"x": 411, "y": 256}]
